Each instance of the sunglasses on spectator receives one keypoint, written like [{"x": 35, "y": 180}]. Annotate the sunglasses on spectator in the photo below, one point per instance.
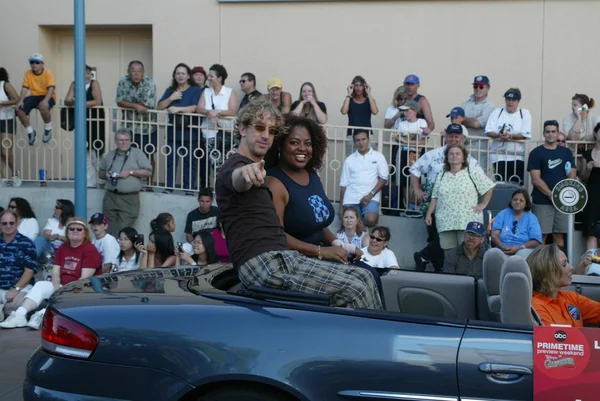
[
  {"x": 376, "y": 238},
  {"x": 59, "y": 207},
  {"x": 561, "y": 141},
  {"x": 478, "y": 86},
  {"x": 8, "y": 223},
  {"x": 78, "y": 229},
  {"x": 260, "y": 128},
  {"x": 34, "y": 62},
  {"x": 514, "y": 227},
  {"x": 12, "y": 206},
  {"x": 242, "y": 81}
]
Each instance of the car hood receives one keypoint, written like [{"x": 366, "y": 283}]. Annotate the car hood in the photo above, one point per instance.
[{"x": 162, "y": 286}]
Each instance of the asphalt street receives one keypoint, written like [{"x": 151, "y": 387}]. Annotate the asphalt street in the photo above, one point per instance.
[{"x": 16, "y": 346}]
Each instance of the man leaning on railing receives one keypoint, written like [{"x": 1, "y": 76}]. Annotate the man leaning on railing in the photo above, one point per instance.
[{"x": 123, "y": 169}]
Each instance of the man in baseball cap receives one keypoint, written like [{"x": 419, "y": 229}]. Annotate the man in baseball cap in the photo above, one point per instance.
[
  {"x": 467, "y": 258},
  {"x": 412, "y": 83},
  {"x": 39, "y": 82},
  {"x": 281, "y": 100},
  {"x": 105, "y": 243}
]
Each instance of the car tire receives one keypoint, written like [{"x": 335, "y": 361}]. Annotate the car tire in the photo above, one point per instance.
[{"x": 243, "y": 393}]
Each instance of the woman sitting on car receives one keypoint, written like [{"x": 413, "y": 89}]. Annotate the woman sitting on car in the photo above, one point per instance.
[
  {"x": 204, "y": 251},
  {"x": 550, "y": 272},
  {"x": 76, "y": 259}
]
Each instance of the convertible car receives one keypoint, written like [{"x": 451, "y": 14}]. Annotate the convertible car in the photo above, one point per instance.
[{"x": 193, "y": 333}]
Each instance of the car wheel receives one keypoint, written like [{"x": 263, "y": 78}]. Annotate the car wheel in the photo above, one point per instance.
[{"x": 239, "y": 393}]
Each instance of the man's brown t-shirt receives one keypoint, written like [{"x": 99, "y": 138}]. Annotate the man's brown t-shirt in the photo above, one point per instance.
[{"x": 249, "y": 218}]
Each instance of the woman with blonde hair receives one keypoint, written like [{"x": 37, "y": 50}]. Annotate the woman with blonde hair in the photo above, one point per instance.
[
  {"x": 308, "y": 105},
  {"x": 393, "y": 114},
  {"x": 352, "y": 233},
  {"x": 579, "y": 124},
  {"x": 550, "y": 272},
  {"x": 76, "y": 259}
]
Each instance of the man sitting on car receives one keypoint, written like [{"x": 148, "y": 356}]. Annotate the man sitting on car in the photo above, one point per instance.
[{"x": 255, "y": 237}]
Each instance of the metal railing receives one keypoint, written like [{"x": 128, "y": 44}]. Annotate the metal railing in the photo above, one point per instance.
[{"x": 187, "y": 150}]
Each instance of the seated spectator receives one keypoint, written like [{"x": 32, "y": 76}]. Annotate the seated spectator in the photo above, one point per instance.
[
  {"x": 394, "y": 114},
  {"x": 221, "y": 244},
  {"x": 204, "y": 217},
  {"x": 549, "y": 164},
  {"x": 199, "y": 77},
  {"x": 359, "y": 105},
  {"x": 183, "y": 134},
  {"x": 364, "y": 174},
  {"x": 248, "y": 86},
  {"x": 516, "y": 230},
  {"x": 17, "y": 260},
  {"x": 590, "y": 173},
  {"x": 53, "y": 234},
  {"x": 105, "y": 243},
  {"x": 28, "y": 224},
  {"x": 352, "y": 232},
  {"x": 455, "y": 196},
  {"x": 579, "y": 124},
  {"x": 76, "y": 259},
  {"x": 308, "y": 104},
  {"x": 164, "y": 221},
  {"x": 40, "y": 84},
  {"x": 377, "y": 254},
  {"x": 217, "y": 101},
  {"x": 136, "y": 93},
  {"x": 507, "y": 126},
  {"x": 8, "y": 98},
  {"x": 589, "y": 264},
  {"x": 467, "y": 258},
  {"x": 550, "y": 272},
  {"x": 281, "y": 100},
  {"x": 204, "y": 251},
  {"x": 95, "y": 121},
  {"x": 161, "y": 249},
  {"x": 299, "y": 198},
  {"x": 133, "y": 254}
]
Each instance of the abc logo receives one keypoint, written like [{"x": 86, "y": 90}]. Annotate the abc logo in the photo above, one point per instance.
[{"x": 560, "y": 336}]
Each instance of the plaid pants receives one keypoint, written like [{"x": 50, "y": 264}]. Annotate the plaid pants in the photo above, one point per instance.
[{"x": 347, "y": 285}]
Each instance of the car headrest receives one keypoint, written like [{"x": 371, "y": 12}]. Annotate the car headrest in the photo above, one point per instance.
[
  {"x": 493, "y": 260},
  {"x": 515, "y": 292}
]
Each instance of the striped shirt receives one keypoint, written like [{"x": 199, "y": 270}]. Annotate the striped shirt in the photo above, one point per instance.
[{"x": 15, "y": 257}]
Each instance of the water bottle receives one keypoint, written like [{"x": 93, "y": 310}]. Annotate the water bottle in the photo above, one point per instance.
[{"x": 42, "y": 177}]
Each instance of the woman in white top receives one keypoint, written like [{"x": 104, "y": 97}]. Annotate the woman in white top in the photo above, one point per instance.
[
  {"x": 8, "y": 98},
  {"x": 218, "y": 101},
  {"x": 352, "y": 234},
  {"x": 377, "y": 253},
  {"x": 133, "y": 255},
  {"x": 53, "y": 234},
  {"x": 28, "y": 224},
  {"x": 579, "y": 124}
]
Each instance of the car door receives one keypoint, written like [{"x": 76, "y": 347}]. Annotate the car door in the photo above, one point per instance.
[{"x": 495, "y": 362}]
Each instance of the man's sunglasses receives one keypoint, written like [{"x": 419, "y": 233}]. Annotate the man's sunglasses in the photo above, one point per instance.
[
  {"x": 78, "y": 229},
  {"x": 561, "y": 141},
  {"x": 376, "y": 238},
  {"x": 260, "y": 128},
  {"x": 8, "y": 223},
  {"x": 478, "y": 86},
  {"x": 34, "y": 62},
  {"x": 242, "y": 81}
]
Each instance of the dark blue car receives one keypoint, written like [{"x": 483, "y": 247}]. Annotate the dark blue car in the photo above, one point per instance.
[{"x": 192, "y": 333}]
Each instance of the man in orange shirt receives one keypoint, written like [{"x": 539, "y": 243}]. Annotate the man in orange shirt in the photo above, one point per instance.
[{"x": 40, "y": 83}]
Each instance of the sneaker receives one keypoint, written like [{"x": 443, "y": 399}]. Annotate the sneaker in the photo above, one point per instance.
[
  {"x": 31, "y": 137},
  {"x": 3, "y": 182},
  {"x": 16, "y": 180},
  {"x": 189, "y": 193},
  {"x": 420, "y": 264},
  {"x": 13, "y": 321},
  {"x": 47, "y": 135},
  {"x": 168, "y": 191},
  {"x": 1, "y": 313},
  {"x": 35, "y": 321}
]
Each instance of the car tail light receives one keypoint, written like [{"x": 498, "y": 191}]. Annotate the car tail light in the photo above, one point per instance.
[{"x": 66, "y": 337}]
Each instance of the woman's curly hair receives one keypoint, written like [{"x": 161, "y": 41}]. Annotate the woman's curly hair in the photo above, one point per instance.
[{"x": 318, "y": 138}]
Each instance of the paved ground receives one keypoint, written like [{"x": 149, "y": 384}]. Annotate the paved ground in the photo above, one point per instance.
[{"x": 16, "y": 346}]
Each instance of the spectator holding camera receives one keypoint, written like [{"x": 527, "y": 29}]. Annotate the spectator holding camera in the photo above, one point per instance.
[
  {"x": 204, "y": 252},
  {"x": 123, "y": 168},
  {"x": 359, "y": 105},
  {"x": 133, "y": 254},
  {"x": 579, "y": 124},
  {"x": 105, "y": 243}
]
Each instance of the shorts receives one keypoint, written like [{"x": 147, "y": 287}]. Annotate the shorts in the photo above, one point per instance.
[
  {"x": 451, "y": 239},
  {"x": 32, "y": 102},
  {"x": 372, "y": 207},
  {"x": 7, "y": 126},
  {"x": 148, "y": 143},
  {"x": 551, "y": 220}
]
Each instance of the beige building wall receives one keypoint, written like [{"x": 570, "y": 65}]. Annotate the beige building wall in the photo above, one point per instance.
[{"x": 544, "y": 47}]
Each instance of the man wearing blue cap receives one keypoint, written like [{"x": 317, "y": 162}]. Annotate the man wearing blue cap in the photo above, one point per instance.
[
  {"x": 457, "y": 116},
  {"x": 478, "y": 108},
  {"x": 412, "y": 84},
  {"x": 467, "y": 258}
]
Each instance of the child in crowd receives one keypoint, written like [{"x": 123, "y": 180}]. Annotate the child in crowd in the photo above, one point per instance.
[{"x": 106, "y": 244}]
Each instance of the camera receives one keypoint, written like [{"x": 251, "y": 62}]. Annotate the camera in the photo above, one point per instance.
[
  {"x": 180, "y": 247},
  {"x": 139, "y": 239},
  {"x": 583, "y": 108},
  {"x": 114, "y": 177}
]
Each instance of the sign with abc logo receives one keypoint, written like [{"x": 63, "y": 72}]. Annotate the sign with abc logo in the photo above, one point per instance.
[{"x": 566, "y": 362}]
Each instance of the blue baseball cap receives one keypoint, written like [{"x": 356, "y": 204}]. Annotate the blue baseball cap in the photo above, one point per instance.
[
  {"x": 481, "y": 80},
  {"x": 513, "y": 93},
  {"x": 476, "y": 228},
  {"x": 98, "y": 218},
  {"x": 454, "y": 129},
  {"x": 457, "y": 111},
  {"x": 412, "y": 79}
]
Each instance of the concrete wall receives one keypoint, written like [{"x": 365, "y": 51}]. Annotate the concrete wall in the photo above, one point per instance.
[{"x": 543, "y": 47}]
